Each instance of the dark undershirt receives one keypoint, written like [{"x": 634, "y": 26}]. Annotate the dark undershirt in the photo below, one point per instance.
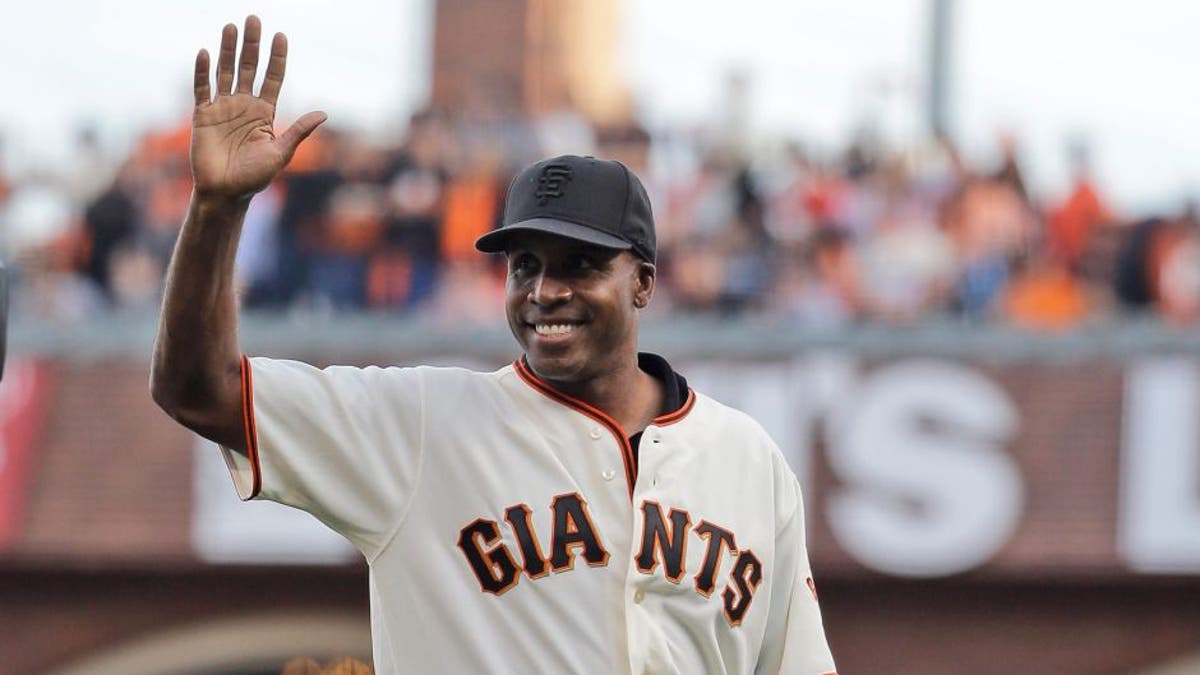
[{"x": 675, "y": 390}]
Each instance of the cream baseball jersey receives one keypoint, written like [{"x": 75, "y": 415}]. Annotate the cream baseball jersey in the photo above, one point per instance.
[{"x": 512, "y": 529}]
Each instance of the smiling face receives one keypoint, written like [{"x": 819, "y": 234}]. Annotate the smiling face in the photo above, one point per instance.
[{"x": 573, "y": 306}]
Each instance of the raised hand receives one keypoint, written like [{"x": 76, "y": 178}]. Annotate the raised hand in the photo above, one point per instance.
[{"x": 235, "y": 152}]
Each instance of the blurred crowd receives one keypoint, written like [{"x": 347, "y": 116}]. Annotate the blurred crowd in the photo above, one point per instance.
[{"x": 823, "y": 239}]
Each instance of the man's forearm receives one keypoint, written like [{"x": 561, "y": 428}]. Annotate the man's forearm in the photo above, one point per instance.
[{"x": 195, "y": 370}]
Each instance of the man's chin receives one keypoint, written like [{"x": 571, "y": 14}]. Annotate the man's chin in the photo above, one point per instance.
[{"x": 554, "y": 367}]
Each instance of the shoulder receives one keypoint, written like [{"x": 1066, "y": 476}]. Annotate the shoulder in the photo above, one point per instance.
[
  {"x": 452, "y": 383},
  {"x": 710, "y": 416},
  {"x": 446, "y": 372},
  {"x": 750, "y": 446},
  {"x": 412, "y": 379}
]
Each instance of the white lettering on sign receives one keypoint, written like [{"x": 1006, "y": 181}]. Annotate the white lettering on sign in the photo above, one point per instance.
[
  {"x": 1159, "y": 522},
  {"x": 929, "y": 489}
]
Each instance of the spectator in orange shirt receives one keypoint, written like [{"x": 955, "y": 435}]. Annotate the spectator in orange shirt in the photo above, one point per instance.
[
  {"x": 1070, "y": 224},
  {"x": 1044, "y": 295}
]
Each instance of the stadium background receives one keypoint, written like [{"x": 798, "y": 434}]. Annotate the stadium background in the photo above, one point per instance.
[{"x": 988, "y": 384}]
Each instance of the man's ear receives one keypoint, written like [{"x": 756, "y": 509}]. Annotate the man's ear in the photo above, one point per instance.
[{"x": 645, "y": 284}]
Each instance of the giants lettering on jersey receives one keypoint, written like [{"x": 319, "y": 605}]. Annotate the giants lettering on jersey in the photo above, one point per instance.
[{"x": 664, "y": 542}]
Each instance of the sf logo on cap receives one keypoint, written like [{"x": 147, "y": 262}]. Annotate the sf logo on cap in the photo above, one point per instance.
[{"x": 551, "y": 182}]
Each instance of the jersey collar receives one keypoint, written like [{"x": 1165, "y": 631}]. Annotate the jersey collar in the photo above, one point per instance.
[
  {"x": 678, "y": 397},
  {"x": 674, "y": 386}
]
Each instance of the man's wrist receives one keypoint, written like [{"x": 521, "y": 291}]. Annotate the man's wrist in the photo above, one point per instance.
[{"x": 213, "y": 204}]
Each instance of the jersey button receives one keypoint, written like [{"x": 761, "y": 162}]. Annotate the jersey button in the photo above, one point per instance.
[
  {"x": 595, "y": 434},
  {"x": 639, "y": 596},
  {"x": 608, "y": 474}
]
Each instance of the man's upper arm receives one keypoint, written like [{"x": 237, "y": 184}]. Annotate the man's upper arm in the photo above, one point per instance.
[{"x": 794, "y": 641}]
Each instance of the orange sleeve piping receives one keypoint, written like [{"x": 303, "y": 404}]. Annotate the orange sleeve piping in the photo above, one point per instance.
[{"x": 248, "y": 423}]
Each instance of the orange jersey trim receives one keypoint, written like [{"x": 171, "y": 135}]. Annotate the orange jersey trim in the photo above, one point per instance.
[
  {"x": 673, "y": 417},
  {"x": 595, "y": 413},
  {"x": 248, "y": 423},
  {"x": 600, "y": 416}
]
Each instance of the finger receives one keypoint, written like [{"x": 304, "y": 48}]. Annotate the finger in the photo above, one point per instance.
[
  {"x": 299, "y": 131},
  {"x": 203, "y": 91},
  {"x": 273, "y": 81},
  {"x": 225, "y": 59},
  {"x": 249, "y": 63}
]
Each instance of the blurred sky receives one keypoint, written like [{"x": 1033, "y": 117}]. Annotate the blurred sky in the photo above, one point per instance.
[{"x": 1120, "y": 74}]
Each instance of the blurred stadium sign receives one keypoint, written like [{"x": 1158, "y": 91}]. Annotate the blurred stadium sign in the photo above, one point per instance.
[
  {"x": 917, "y": 462},
  {"x": 926, "y": 467},
  {"x": 24, "y": 399},
  {"x": 915, "y": 467}
]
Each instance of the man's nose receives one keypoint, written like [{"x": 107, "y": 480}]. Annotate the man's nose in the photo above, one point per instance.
[{"x": 549, "y": 290}]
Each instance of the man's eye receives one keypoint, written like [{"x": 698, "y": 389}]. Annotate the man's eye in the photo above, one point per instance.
[
  {"x": 520, "y": 263},
  {"x": 582, "y": 262}
]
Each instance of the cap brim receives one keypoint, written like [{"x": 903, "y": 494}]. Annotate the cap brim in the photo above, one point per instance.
[{"x": 496, "y": 241}]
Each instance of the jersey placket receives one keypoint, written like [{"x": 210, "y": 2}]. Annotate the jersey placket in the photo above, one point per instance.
[
  {"x": 649, "y": 651},
  {"x": 648, "y": 648},
  {"x": 621, "y": 491}
]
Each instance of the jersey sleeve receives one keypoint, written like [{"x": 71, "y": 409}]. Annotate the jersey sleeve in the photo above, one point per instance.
[
  {"x": 794, "y": 641},
  {"x": 344, "y": 444}
]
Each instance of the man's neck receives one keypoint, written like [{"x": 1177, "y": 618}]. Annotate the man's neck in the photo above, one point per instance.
[{"x": 628, "y": 394}]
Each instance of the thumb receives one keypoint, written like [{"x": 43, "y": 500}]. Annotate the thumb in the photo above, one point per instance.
[{"x": 299, "y": 131}]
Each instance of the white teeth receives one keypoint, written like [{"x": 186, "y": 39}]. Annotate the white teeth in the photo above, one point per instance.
[{"x": 553, "y": 328}]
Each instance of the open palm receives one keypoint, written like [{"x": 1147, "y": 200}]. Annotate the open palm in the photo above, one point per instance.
[{"x": 235, "y": 152}]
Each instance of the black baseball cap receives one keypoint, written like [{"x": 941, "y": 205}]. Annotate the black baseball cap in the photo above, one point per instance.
[{"x": 597, "y": 201}]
